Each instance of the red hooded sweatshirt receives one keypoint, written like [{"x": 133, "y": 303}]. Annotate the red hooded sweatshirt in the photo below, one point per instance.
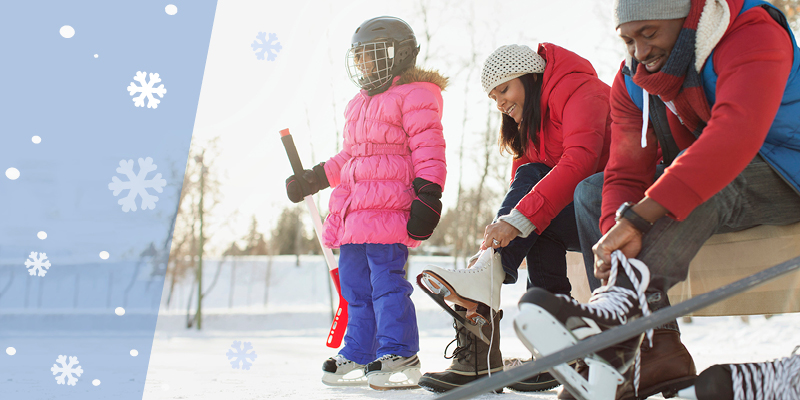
[
  {"x": 574, "y": 135},
  {"x": 752, "y": 61}
]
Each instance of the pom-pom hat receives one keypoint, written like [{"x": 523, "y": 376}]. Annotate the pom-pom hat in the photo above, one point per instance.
[{"x": 509, "y": 62}]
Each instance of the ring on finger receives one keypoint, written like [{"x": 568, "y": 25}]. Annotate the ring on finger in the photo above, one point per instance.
[{"x": 495, "y": 242}]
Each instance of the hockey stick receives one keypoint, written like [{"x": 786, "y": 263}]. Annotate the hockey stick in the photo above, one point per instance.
[
  {"x": 339, "y": 324},
  {"x": 618, "y": 334}
]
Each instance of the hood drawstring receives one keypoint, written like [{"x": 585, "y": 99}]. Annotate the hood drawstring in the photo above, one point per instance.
[{"x": 645, "y": 115}]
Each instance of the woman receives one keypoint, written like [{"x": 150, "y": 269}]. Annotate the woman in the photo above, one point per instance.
[{"x": 556, "y": 125}]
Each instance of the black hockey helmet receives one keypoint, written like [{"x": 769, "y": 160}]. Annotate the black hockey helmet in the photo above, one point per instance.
[{"x": 381, "y": 49}]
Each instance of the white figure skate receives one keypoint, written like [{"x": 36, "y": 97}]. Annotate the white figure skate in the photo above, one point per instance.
[{"x": 476, "y": 288}]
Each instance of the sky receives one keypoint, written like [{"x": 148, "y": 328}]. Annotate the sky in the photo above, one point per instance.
[{"x": 245, "y": 101}]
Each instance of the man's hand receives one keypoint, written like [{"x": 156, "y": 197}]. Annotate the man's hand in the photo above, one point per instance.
[
  {"x": 623, "y": 236},
  {"x": 502, "y": 232}
]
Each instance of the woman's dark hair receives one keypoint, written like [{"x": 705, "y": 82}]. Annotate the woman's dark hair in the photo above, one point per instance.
[{"x": 514, "y": 138}]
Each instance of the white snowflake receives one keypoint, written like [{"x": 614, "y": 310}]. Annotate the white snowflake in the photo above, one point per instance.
[
  {"x": 241, "y": 355},
  {"x": 147, "y": 90},
  {"x": 37, "y": 262},
  {"x": 270, "y": 47},
  {"x": 137, "y": 184},
  {"x": 67, "y": 370}
]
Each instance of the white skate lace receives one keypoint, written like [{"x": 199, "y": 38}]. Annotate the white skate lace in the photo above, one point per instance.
[
  {"x": 491, "y": 314},
  {"x": 774, "y": 380},
  {"x": 616, "y": 300},
  {"x": 340, "y": 360}
]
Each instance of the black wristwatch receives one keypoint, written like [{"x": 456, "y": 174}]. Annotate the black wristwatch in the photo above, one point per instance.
[{"x": 626, "y": 211}]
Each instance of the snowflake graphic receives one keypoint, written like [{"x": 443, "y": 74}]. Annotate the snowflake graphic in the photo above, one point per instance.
[
  {"x": 37, "y": 262},
  {"x": 67, "y": 370},
  {"x": 146, "y": 89},
  {"x": 241, "y": 355},
  {"x": 262, "y": 46},
  {"x": 137, "y": 184}
]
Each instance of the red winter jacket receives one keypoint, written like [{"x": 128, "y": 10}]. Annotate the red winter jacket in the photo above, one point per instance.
[
  {"x": 573, "y": 137},
  {"x": 752, "y": 61}
]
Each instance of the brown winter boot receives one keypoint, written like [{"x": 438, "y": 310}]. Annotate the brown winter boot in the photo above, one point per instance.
[
  {"x": 469, "y": 359},
  {"x": 665, "y": 368}
]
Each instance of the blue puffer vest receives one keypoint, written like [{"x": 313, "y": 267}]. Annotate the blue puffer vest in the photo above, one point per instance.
[{"x": 781, "y": 148}]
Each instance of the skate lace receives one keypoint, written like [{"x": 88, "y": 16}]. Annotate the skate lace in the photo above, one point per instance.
[
  {"x": 773, "y": 380},
  {"x": 617, "y": 300},
  {"x": 340, "y": 360}
]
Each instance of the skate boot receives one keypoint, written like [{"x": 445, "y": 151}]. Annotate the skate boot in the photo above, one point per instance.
[
  {"x": 548, "y": 323},
  {"x": 773, "y": 380},
  {"x": 339, "y": 371},
  {"x": 476, "y": 288},
  {"x": 393, "y": 372},
  {"x": 469, "y": 358}
]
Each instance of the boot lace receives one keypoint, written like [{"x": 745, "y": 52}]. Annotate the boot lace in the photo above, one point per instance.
[
  {"x": 616, "y": 301},
  {"x": 340, "y": 360},
  {"x": 462, "y": 351},
  {"x": 779, "y": 379}
]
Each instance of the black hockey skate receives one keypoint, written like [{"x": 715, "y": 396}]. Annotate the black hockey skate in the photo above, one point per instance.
[
  {"x": 778, "y": 380},
  {"x": 548, "y": 323}
]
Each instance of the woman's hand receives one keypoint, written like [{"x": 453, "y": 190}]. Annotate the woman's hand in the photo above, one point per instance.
[{"x": 499, "y": 234}]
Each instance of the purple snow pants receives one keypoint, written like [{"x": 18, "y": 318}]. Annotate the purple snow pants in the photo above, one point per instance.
[{"x": 382, "y": 318}]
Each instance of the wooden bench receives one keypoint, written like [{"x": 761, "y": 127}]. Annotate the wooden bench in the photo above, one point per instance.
[{"x": 726, "y": 258}]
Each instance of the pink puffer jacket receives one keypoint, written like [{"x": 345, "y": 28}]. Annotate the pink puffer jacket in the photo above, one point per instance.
[{"x": 389, "y": 139}]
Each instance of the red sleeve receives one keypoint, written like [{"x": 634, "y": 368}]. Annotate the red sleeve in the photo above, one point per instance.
[
  {"x": 584, "y": 118},
  {"x": 752, "y": 62},
  {"x": 631, "y": 168}
]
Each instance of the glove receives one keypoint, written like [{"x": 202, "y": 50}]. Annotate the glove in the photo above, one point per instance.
[
  {"x": 312, "y": 181},
  {"x": 426, "y": 209}
]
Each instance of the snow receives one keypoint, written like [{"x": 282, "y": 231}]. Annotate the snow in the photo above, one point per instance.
[
  {"x": 289, "y": 337},
  {"x": 69, "y": 371}
]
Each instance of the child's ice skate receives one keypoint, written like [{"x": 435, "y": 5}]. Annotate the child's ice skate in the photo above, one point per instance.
[
  {"x": 394, "y": 372},
  {"x": 476, "y": 288},
  {"x": 779, "y": 379},
  {"x": 548, "y": 323},
  {"x": 339, "y": 371}
]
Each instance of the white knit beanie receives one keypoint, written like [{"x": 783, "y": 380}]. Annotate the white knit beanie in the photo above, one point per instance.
[{"x": 509, "y": 62}]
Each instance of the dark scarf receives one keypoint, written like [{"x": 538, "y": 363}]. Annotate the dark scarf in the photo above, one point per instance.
[{"x": 678, "y": 81}]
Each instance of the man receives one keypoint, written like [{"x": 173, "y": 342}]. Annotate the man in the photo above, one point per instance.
[{"x": 721, "y": 153}]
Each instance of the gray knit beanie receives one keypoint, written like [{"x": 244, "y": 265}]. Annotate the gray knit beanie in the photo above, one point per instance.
[
  {"x": 646, "y": 10},
  {"x": 509, "y": 62}
]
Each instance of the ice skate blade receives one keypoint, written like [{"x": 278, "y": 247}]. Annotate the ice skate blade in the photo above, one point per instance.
[
  {"x": 400, "y": 380},
  {"x": 438, "y": 286},
  {"x": 352, "y": 378}
]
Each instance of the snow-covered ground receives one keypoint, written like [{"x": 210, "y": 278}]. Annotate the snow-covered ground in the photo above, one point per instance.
[{"x": 288, "y": 338}]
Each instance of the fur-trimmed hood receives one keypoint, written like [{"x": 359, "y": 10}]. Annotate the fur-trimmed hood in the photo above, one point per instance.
[{"x": 415, "y": 74}]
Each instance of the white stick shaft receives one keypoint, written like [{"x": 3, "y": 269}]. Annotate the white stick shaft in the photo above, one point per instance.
[{"x": 312, "y": 209}]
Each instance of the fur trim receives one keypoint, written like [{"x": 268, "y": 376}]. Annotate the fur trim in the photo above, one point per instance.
[
  {"x": 415, "y": 74},
  {"x": 714, "y": 21}
]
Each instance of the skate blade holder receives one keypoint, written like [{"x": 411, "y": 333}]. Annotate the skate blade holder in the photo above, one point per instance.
[
  {"x": 406, "y": 379},
  {"x": 543, "y": 335},
  {"x": 473, "y": 314}
]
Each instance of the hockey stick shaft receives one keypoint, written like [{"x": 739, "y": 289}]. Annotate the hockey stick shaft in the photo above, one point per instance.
[
  {"x": 618, "y": 334},
  {"x": 339, "y": 324}
]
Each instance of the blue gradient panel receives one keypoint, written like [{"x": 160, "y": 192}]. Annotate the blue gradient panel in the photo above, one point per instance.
[{"x": 89, "y": 186}]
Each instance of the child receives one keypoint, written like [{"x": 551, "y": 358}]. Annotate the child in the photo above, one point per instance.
[{"x": 387, "y": 182}]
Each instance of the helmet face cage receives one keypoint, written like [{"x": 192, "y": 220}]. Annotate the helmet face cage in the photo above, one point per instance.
[{"x": 369, "y": 65}]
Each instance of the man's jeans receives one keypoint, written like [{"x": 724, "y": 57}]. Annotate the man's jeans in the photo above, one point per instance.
[
  {"x": 545, "y": 253},
  {"x": 758, "y": 196}
]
